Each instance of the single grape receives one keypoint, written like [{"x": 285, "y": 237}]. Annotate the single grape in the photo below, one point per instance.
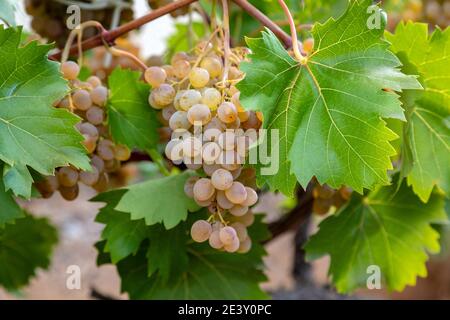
[
  {"x": 214, "y": 240},
  {"x": 192, "y": 147},
  {"x": 223, "y": 201},
  {"x": 245, "y": 245},
  {"x": 94, "y": 81},
  {"x": 64, "y": 103},
  {"x": 167, "y": 112},
  {"x": 69, "y": 193},
  {"x": 90, "y": 143},
  {"x": 189, "y": 186},
  {"x": 203, "y": 189},
  {"x": 252, "y": 197},
  {"x": 201, "y": 230},
  {"x": 102, "y": 183},
  {"x": 210, "y": 168},
  {"x": 198, "y": 77},
  {"x": 236, "y": 193},
  {"x": 82, "y": 100},
  {"x": 308, "y": 45},
  {"x": 67, "y": 176},
  {"x": 189, "y": 98},
  {"x": 243, "y": 116},
  {"x": 199, "y": 114},
  {"x": 179, "y": 120},
  {"x": 227, "y": 140},
  {"x": 179, "y": 56},
  {"x": 90, "y": 178},
  {"x": 181, "y": 69},
  {"x": 227, "y": 235},
  {"x": 241, "y": 230},
  {"x": 232, "y": 247},
  {"x": 227, "y": 112},
  {"x": 174, "y": 150},
  {"x": 238, "y": 210},
  {"x": 213, "y": 65},
  {"x": 155, "y": 76},
  {"x": 70, "y": 70},
  {"x": 170, "y": 72},
  {"x": 247, "y": 219},
  {"x": 95, "y": 115},
  {"x": 252, "y": 121},
  {"x": 88, "y": 129},
  {"x": 98, "y": 162},
  {"x": 121, "y": 152},
  {"x": 163, "y": 95},
  {"x": 221, "y": 179},
  {"x": 105, "y": 150},
  {"x": 99, "y": 95},
  {"x": 211, "y": 97}
]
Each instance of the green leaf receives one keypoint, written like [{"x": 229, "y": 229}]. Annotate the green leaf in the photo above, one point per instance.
[
  {"x": 7, "y": 12},
  {"x": 32, "y": 132},
  {"x": 131, "y": 119},
  {"x": 328, "y": 111},
  {"x": 18, "y": 179},
  {"x": 209, "y": 274},
  {"x": 426, "y": 138},
  {"x": 388, "y": 228},
  {"x": 159, "y": 200},
  {"x": 123, "y": 235},
  {"x": 9, "y": 209},
  {"x": 24, "y": 247},
  {"x": 179, "y": 40}
]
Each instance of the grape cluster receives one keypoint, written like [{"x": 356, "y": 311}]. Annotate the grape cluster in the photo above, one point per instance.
[
  {"x": 49, "y": 18},
  {"x": 209, "y": 131},
  {"x": 326, "y": 197},
  {"x": 87, "y": 100}
]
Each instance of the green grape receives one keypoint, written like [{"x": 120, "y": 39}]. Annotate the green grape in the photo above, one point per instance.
[
  {"x": 155, "y": 76},
  {"x": 179, "y": 120},
  {"x": 189, "y": 98},
  {"x": 198, "y": 77},
  {"x": 213, "y": 65},
  {"x": 211, "y": 97}
]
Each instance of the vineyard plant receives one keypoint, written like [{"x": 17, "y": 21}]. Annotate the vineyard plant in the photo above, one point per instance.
[{"x": 338, "y": 109}]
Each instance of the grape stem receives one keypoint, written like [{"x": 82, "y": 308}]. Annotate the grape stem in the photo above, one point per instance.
[
  {"x": 226, "y": 40},
  {"x": 121, "y": 53},
  {"x": 298, "y": 55}
]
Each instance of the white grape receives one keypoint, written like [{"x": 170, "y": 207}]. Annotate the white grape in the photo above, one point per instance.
[
  {"x": 223, "y": 201},
  {"x": 227, "y": 112},
  {"x": 99, "y": 95},
  {"x": 198, "y": 77},
  {"x": 227, "y": 140},
  {"x": 211, "y": 97},
  {"x": 210, "y": 152},
  {"x": 252, "y": 197},
  {"x": 155, "y": 76},
  {"x": 199, "y": 114},
  {"x": 236, "y": 193},
  {"x": 70, "y": 70},
  {"x": 179, "y": 120},
  {"x": 221, "y": 179},
  {"x": 214, "y": 240},
  {"x": 203, "y": 189},
  {"x": 213, "y": 65},
  {"x": 82, "y": 100},
  {"x": 228, "y": 235},
  {"x": 188, "y": 98},
  {"x": 241, "y": 230},
  {"x": 200, "y": 231}
]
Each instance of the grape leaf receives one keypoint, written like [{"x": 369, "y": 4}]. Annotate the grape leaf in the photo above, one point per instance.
[
  {"x": 426, "y": 153},
  {"x": 388, "y": 228},
  {"x": 9, "y": 209},
  {"x": 123, "y": 235},
  {"x": 24, "y": 247},
  {"x": 159, "y": 200},
  {"x": 209, "y": 274},
  {"x": 131, "y": 119},
  {"x": 18, "y": 179},
  {"x": 328, "y": 112},
  {"x": 32, "y": 132}
]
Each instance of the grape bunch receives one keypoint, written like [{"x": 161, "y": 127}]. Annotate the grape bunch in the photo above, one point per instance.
[
  {"x": 87, "y": 100},
  {"x": 209, "y": 131},
  {"x": 49, "y": 18},
  {"x": 325, "y": 198}
]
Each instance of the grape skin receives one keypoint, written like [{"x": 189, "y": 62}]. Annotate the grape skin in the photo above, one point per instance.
[
  {"x": 70, "y": 70},
  {"x": 201, "y": 231},
  {"x": 221, "y": 179}
]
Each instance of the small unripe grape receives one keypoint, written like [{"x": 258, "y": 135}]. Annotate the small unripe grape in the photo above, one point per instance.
[
  {"x": 227, "y": 140},
  {"x": 201, "y": 231},
  {"x": 236, "y": 193},
  {"x": 102, "y": 183},
  {"x": 70, "y": 70},
  {"x": 69, "y": 193},
  {"x": 210, "y": 168},
  {"x": 98, "y": 163},
  {"x": 64, "y": 103},
  {"x": 214, "y": 240},
  {"x": 163, "y": 95},
  {"x": 199, "y": 113},
  {"x": 99, "y": 95},
  {"x": 90, "y": 178},
  {"x": 223, "y": 201},
  {"x": 213, "y": 65},
  {"x": 155, "y": 76},
  {"x": 198, "y": 77},
  {"x": 227, "y": 112},
  {"x": 181, "y": 69},
  {"x": 105, "y": 150},
  {"x": 211, "y": 97},
  {"x": 203, "y": 189},
  {"x": 82, "y": 99},
  {"x": 90, "y": 143},
  {"x": 252, "y": 197},
  {"x": 221, "y": 179},
  {"x": 241, "y": 230},
  {"x": 67, "y": 176},
  {"x": 189, "y": 98},
  {"x": 189, "y": 186},
  {"x": 94, "y": 81},
  {"x": 88, "y": 129},
  {"x": 95, "y": 115},
  {"x": 228, "y": 235},
  {"x": 192, "y": 147},
  {"x": 121, "y": 152},
  {"x": 174, "y": 150},
  {"x": 211, "y": 134},
  {"x": 167, "y": 112},
  {"x": 179, "y": 120},
  {"x": 210, "y": 152},
  {"x": 245, "y": 245}
]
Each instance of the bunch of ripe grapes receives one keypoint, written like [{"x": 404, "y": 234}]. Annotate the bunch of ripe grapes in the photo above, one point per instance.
[
  {"x": 87, "y": 99},
  {"x": 325, "y": 198},
  {"x": 210, "y": 132},
  {"x": 49, "y": 18}
]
